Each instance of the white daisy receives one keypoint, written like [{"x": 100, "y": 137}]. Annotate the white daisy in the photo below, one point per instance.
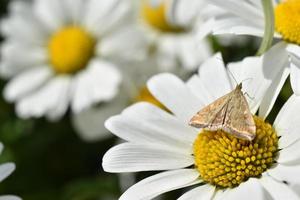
[
  {"x": 59, "y": 52},
  {"x": 246, "y": 17},
  {"x": 5, "y": 170},
  {"x": 89, "y": 124},
  {"x": 176, "y": 37},
  {"x": 219, "y": 165}
]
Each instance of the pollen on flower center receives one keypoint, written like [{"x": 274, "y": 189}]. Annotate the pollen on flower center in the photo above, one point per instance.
[
  {"x": 226, "y": 161},
  {"x": 155, "y": 16},
  {"x": 70, "y": 49},
  {"x": 287, "y": 20}
]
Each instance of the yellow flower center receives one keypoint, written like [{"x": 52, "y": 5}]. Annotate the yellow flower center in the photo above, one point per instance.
[
  {"x": 145, "y": 95},
  {"x": 226, "y": 161},
  {"x": 156, "y": 17},
  {"x": 287, "y": 20},
  {"x": 70, "y": 49}
]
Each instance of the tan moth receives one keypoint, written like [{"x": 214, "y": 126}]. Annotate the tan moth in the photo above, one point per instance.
[{"x": 230, "y": 113}]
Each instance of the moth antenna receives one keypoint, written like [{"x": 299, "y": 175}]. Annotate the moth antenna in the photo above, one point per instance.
[
  {"x": 233, "y": 76},
  {"x": 247, "y": 94},
  {"x": 247, "y": 79}
]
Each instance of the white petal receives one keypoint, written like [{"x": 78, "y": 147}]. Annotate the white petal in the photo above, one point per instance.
[
  {"x": 46, "y": 100},
  {"x": 26, "y": 82},
  {"x": 262, "y": 70},
  {"x": 167, "y": 52},
  {"x": 290, "y": 154},
  {"x": 147, "y": 124},
  {"x": 6, "y": 169},
  {"x": 1, "y": 147},
  {"x": 28, "y": 56},
  {"x": 198, "y": 88},
  {"x": 277, "y": 189},
  {"x": 23, "y": 26},
  {"x": 213, "y": 75},
  {"x": 102, "y": 16},
  {"x": 204, "y": 29},
  {"x": 177, "y": 14},
  {"x": 89, "y": 124},
  {"x": 203, "y": 192},
  {"x": 290, "y": 174},
  {"x": 9, "y": 197},
  {"x": 293, "y": 49},
  {"x": 220, "y": 194},
  {"x": 238, "y": 30},
  {"x": 98, "y": 83},
  {"x": 161, "y": 183},
  {"x": 62, "y": 101},
  {"x": 271, "y": 95},
  {"x": 287, "y": 123},
  {"x": 242, "y": 9},
  {"x": 295, "y": 73},
  {"x": 74, "y": 10},
  {"x": 276, "y": 69},
  {"x": 296, "y": 188},
  {"x": 175, "y": 95},
  {"x": 205, "y": 48},
  {"x": 244, "y": 190},
  {"x": 192, "y": 52},
  {"x": 51, "y": 13},
  {"x": 130, "y": 157},
  {"x": 126, "y": 43}
]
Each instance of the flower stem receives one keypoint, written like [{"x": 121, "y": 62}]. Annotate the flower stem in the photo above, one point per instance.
[{"x": 269, "y": 27}]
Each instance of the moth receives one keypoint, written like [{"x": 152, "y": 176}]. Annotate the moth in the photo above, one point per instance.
[{"x": 230, "y": 113}]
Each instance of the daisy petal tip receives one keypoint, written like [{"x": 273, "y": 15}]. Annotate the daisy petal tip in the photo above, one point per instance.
[
  {"x": 109, "y": 123},
  {"x": 8, "y": 95},
  {"x": 11, "y": 166},
  {"x": 156, "y": 81},
  {"x": 158, "y": 78},
  {"x": 106, "y": 160},
  {"x": 218, "y": 56},
  {"x": 6, "y": 169}
]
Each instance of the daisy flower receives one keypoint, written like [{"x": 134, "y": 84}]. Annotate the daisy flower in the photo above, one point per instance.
[
  {"x": 217, "y": 164},
  {"x": 176, "y": 37},
  {"x": 5, "y": 170},
  {"x": 89, "y": 123},
  {"x": 246, "y": 17},
  {"x": 59, "y": 53}
]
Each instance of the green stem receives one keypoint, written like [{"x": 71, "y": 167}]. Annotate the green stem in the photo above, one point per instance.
[{"x": 269, "y": 27}]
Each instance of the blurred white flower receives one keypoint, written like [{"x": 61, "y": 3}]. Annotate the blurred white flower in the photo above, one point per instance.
[
  {"x": 246, "y": 17},
  {"x": 5, "y": 170},
  {"x": 90, "y": 123},
  {"x": 175, "y": 38},
  {"x": 158, "y": 140},
  {"x": 59, "y": 53},
  {"x": 174, "y": 31}
]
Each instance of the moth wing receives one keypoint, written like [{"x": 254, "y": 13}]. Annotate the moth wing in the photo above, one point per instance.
[
  {"x": 212, "y": 115},
  {"x": 239, "y": 120}
]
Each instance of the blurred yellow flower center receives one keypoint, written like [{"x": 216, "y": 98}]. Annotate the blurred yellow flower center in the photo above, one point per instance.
[
  {"x": 145, "y": 95},
  {"x": 287, "y": 20},
  {"x": 155, "y": 16},
  {"x": 70, "y": 49},
  {"x": 226, "y": 161}
]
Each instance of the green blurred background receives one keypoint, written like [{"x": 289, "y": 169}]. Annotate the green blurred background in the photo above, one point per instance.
[{"x": 54, "y": 164}]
